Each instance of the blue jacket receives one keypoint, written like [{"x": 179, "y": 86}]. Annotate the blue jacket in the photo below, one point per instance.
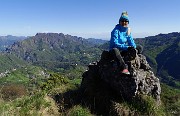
[{"x": 120, "y": 39}]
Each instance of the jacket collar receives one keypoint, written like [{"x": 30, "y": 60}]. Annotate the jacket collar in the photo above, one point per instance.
[{"x": 121, "y": 28}]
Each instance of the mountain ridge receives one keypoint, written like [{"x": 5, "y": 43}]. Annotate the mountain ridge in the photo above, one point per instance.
[
  {"x": 5, "y": 41},
  {"x": 162, "y": 52},
  {"x": 45, "y": 48}
]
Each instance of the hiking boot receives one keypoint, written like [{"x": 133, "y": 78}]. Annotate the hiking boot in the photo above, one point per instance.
[{"x": 125, "y": 71}]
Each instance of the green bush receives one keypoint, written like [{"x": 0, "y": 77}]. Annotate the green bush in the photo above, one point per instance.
[
  {"x": 171, "y": 99},
  {"x": 79, "y": 111},
  {"x": 53, "y": 81}
]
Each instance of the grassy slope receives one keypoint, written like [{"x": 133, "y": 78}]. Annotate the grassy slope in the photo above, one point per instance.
[
  {"x": 9, "y": 62},
  {"x": 41, "y": 102},
  {"x": 36, "y": 101}
]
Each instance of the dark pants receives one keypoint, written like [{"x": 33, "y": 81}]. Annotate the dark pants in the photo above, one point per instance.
[{"x": 116, "y": 55}]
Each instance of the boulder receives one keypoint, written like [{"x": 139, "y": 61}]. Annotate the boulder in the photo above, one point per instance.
[{"x": 103, "y": 82}]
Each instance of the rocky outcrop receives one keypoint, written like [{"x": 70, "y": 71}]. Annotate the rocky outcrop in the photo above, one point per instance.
[{"x": 103, "y": 83}]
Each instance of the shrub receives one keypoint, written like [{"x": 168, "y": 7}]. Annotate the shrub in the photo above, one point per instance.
[
  {"x": 12, "y": 91},
  {"x": 54, "y": 81},
  {"x": 79, "y": 111}
]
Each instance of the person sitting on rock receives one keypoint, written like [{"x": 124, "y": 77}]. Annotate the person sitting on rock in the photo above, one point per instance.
[{"x": 121, "y": 40}]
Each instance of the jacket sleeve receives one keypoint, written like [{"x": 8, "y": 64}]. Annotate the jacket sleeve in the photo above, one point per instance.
[
  {"x": 115, "y": 42},
  {"x": 130, "y": 41}
]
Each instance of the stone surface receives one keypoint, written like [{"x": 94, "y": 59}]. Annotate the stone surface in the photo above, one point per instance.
[{"x": 106, "y": 72}]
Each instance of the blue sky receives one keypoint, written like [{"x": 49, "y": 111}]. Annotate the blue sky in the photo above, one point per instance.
[{"x": 88, "y": 18}]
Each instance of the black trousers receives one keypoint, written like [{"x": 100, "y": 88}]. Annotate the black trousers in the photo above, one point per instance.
[{"x": 116, "y": 55}]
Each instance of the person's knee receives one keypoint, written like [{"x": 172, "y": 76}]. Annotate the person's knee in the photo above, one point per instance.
[{"x": 116, "y": 51}]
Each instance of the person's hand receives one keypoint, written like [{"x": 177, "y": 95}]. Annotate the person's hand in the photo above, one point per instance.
[
  {"x": 130, "y": 47},
  {"x": 131, "y": 52},
  {"x": 128, "y": 31}
]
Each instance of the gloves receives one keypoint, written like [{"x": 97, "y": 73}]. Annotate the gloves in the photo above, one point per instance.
[
  {"x": 131, "y": 52},
  {"x": 130, "y": 48}
]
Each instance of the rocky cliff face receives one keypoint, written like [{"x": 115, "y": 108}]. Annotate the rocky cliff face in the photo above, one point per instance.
[{"x": 104, "y": 86}]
